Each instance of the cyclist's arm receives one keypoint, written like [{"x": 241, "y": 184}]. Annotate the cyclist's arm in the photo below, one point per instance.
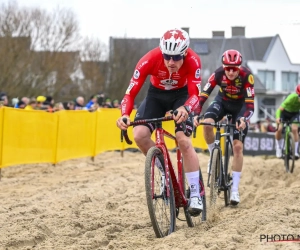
[
  {"x": 278, "y": 112},
  {"x": 208, "y": 88},
  {"x": 249, "y": 98},
  {"x": 136, "y": 83},
  {"x": 193, "y": 83}
]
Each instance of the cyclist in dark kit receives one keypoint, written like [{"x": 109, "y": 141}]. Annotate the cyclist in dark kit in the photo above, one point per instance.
[{"x": 236, "y": 97}]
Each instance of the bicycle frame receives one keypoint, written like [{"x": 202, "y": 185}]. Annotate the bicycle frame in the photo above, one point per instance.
[
  {"x": 217, "y": 143},
  {"x": 160, "y": 133}
]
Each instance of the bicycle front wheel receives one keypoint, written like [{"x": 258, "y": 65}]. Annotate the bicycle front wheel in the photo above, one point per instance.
[
  {"x": 215, "y": 175},
  {"x": 161, "y": 206},
  {"x": 227, "y": 182},
  {"x": 289, "y": 159}
]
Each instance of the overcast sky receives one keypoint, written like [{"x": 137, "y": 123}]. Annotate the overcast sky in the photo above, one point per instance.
[{"x": 151, "y": 18}]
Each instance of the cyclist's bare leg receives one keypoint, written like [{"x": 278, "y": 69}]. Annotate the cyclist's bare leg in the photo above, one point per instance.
[
  {"x": 191, "y": 168},
  {"x": 142, "y": 138},
  {"x": 296, "y": 136},
  {"x": 278, "y": 132},
  {"x": 208, "y": 132},
  {"x": 191, "y": 162},
  {"x": 237, "y": 163}
]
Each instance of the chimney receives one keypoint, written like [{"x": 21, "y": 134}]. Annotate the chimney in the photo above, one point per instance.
[
  {"x": 238, "y": 31},
  {"x": 186, "y": 29},
  {"x": 218, "y": 34}
]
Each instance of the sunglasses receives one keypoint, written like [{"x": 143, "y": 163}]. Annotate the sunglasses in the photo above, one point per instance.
[
  {"x": 233, "y": 68},
  {"x": 174, "y": 57}
]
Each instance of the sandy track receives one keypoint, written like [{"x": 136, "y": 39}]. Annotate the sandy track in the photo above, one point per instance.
[{"x": 81, "y": 204}]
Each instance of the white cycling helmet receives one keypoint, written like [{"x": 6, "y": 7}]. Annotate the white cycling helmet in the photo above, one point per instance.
[{"x": 174, "y": 42}]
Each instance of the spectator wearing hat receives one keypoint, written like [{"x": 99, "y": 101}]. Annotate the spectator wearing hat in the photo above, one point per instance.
[
  {"x": 39, "y": 102},
  {"x": 21, "y": 105},
  {"x": 107, "y": 103},
  {"x": 116, "y": 104}
]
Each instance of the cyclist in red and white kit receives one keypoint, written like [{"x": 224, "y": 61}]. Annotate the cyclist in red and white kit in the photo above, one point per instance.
[
  {"x": 175, "y": 84},
  {"x": 235, "y": 97}
]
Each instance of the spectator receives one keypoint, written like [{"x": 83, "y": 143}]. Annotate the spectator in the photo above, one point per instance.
[
  {"x": 31, "y": 105},
  {"x": 116, "y": 104},
  {"x": 58, "y": 107},
  {"x": 39, "y": 102},
  {"x": 71, "y": 105},
  {"x": 107, "y": 103},
  {"x": 79, "y": 103},
  {"x": 4, "y": 99},
  {"x": 93, "y": 100},
  {"x": 269, "y": 126},
  {"x": 21, "y": 105}
]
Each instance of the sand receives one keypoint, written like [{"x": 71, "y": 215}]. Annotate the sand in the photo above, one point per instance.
[{"x": 100, "y": 204}]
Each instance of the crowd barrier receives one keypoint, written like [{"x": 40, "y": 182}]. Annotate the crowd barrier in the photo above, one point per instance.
[
  {"x": 41, "y": 137},
  {"x": 259, "y": 144}
]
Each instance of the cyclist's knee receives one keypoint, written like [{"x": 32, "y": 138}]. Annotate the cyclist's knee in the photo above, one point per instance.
[
  {"x": 237, "y": 148},
  {"x": 183, "y": 140},
  {"x": 141, "y": 134},
  {"x": 208, "y": 128}
]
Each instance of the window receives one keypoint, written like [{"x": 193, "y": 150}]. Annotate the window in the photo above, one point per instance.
[
  {"x": 267, "y": 78},
  {"x": 289, "y": 81},
  {"x": 201, "y": 48}
]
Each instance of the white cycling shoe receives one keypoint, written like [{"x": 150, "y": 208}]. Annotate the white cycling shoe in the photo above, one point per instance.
[
  {"x": 195, "y": 206},
  {"x": 279, "y": 153},
  {"x": 234, "y": 198}
]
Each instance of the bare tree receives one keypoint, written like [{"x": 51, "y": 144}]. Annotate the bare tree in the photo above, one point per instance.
[
  {"x": 93, "y": 67},
  {"x": 35, "y": 51}
]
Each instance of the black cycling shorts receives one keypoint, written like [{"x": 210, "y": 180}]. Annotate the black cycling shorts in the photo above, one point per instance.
[
  {"x": 289, "y": 116},
  {"x": 158, "y": 102},
  {"x": 219, "y": 108}
]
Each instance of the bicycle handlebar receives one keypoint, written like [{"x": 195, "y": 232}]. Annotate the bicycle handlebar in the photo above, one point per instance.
[
  {"x": 124, "y": 133},
  {"x": 218, "y": 124}
]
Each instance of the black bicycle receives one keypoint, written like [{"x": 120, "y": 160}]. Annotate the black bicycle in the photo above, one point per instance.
[
  {"x": 219, "y": 177},
  {"x": 288, "y": 150}
]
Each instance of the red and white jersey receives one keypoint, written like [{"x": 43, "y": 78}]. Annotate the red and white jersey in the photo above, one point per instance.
[{"x": 152, "y": 64}]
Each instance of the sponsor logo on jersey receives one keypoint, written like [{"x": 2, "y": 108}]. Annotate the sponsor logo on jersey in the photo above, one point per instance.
[
  {"x": 232, "y": 90},
  {"x": 207, "y": 85},
  {"x": 131, "y": 85},
  {"x": 142, "y": 64},
  {"x": 136, "y": 74},
  {"x": 197, "y": 73},
  {"x": 216, "y": 106},
  {"x": 238, "y": 82},
  {"x": 169, "y": 83},
  {"x": 251, "y": 79},
  {"x": 249, "y": 92},
  {"x": 196, "y": 61},
  {"x": 232, "y": 96}
]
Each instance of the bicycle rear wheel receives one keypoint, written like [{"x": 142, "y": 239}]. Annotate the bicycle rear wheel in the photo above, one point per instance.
[
  {"x": 227, "y": 182},
  {"x": 289, "y": 159},
  {"x": 191, "y": 220},
  {"x": 215, "y": 175},
  {"x": 161, "y": 207}
]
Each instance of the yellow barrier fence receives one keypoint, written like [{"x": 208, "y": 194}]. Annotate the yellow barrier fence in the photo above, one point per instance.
[{"x": 42, "y": 137}]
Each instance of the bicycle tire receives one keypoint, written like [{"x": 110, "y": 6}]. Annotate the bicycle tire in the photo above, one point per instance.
[
  {"x": 227, "y": 182},
  {"x": 215, "y": 175},
  {"x": 161, "y": 208},
  {"x": 192, "y": 220},
  {"x": 290, "y": 156}
]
